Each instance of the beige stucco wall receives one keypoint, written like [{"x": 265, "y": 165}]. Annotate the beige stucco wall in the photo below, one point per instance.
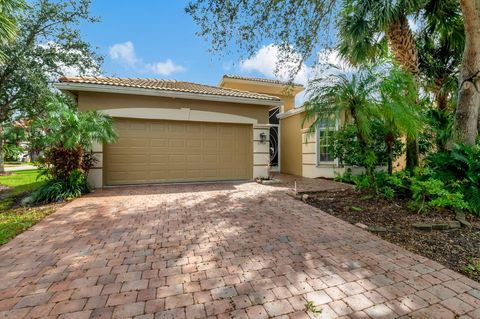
[
  {"x": 103, "y": 101},
  {"x": 291, "y": 144},
  {"x": 285, "y": 93},
  {"x": 136, "y": 106}
]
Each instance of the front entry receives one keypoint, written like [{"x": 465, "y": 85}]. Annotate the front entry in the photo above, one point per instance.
[{"x": 274, "y": 140}]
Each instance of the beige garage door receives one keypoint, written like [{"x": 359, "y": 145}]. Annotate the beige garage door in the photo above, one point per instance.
[{"x": 150, "y": 151}]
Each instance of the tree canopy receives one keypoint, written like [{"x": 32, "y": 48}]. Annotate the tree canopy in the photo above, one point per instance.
[{"x": 48, "y": 45}]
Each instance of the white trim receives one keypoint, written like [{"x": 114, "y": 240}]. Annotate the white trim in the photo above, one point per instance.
[
  {"x": 317, "y": 146},
  {"x": 95, "y": 177},
  {"x": 154, "y": 92},
  {"x": 298, "y": 87},
  {"x": 279, "y": 135},
  {"x": 291, "y": 112},
  {"x": 263, "y": 126},
  {"x": 183, "y": 114}
]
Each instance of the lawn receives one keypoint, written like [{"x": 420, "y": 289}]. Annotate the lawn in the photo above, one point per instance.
[
  {"x": 15, "y": 218},
  {"x": 19, "y": 182}
]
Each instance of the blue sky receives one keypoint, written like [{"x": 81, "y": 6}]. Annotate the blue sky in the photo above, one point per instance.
[{"x": 147, "y": 38}]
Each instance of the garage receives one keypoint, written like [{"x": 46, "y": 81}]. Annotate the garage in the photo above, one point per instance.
[
  {"x": 176, "y": 131},
  {"x": 160, "y": 151}
]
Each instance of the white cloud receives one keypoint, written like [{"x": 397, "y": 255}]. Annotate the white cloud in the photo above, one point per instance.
[
  {"x": 125, "y": 53},
  {"x": 269, "y": 61},
  {"x": 165, "y": 68}
]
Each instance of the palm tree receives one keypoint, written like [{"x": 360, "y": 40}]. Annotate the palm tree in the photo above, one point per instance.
[
  {"x": 367, "y": 98},
  {"x": 399, "y": 114},
  {"x": 8, "y": 26},
  {"x": 352, "y": 96},
  {"x": 368, "y": 28},
  {"x": 66, "y": 137},
  {"x": 440, "y": 41}
]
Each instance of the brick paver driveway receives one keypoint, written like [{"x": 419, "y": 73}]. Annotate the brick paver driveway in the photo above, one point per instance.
[{"x": 217, "y": 250}]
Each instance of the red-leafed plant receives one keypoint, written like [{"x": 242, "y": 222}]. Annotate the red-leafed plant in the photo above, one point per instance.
[{"x": 65, "y": 138}]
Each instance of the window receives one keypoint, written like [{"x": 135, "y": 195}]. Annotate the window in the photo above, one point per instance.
[{"x": 324, "y": 130}]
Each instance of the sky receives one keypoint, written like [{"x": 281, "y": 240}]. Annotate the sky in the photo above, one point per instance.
[{"x": 156, "y": 39}]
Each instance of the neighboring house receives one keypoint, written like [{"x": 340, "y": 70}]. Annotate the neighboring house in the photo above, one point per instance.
[{"x": 175, "y": 131}]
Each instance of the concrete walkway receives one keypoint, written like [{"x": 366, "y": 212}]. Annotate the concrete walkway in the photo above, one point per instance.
[
  {"x": 11, "y": 168},
  {"x": 217, "y": 251}
]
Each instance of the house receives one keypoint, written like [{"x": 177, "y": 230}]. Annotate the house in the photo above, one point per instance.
[{"x": 175, "y": 131}]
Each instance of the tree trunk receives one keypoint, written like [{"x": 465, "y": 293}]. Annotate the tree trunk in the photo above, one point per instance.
[
  {"x": 402, "y": 43},
  {"x": 441, "y": 100},
  {"x": 2, "y": 153},
  {"x": 466, "y": 115},
  {"x": 412, "y": 153},
  {"x": 389, "y": 143}
]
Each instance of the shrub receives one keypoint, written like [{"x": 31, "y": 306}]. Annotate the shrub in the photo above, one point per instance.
[
  {"x": 66, "y": 138},
  {"x": 348, "y": 150},
  {"x": 429, "y": 191},
  {"x": 459, "y": 170},
  {"x": 55, "y": 189}
]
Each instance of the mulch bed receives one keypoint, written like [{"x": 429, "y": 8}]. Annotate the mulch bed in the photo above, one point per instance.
[{"x": 452, "y": 248}]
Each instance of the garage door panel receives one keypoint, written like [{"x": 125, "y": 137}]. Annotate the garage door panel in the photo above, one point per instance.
[
  {"x": 119, "y": 168},
  {"x": 128, "y": 158},
  {"x": 131, "y": 142},
  {"x": 158, "y": 159},
  {"x": 159, "y": 127},
  {"x": 158, "y": 142},
  {"x": 151, "y": 151},
  {"x": 194, "y": 143},
  {"x": 127, "y": 151}
]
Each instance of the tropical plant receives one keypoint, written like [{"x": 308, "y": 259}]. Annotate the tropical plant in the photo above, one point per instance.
[
  {"x": 440, "y": 124},
  {"x": 8, "y": 21},
  {"x": 48, "y": 44},
  {"x": 54, "y": 190},
  {"x": 440, "y": 43},
  {"x": 345, "y": 148},
  {"x": 66, "y": 137},
  {"x": 351, "y": 96},
  {"x": 380, "y": 102},
  {"x": 399, "y": 110},
  {"x": 427, "y": 191},
  {"x": 366, "y": 28},
  {"x": 459, "y": 168},
  {"x": 13, "y": 136}
]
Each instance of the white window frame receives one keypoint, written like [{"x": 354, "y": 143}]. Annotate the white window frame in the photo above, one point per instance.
[{"x": 318, "y": 129}]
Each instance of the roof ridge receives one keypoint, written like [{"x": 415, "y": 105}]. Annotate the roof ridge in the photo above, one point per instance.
[
  {"x": 259, "y": 79},
  {"x": 167, "y": 85},
  {"x": 229, "y": 89}
]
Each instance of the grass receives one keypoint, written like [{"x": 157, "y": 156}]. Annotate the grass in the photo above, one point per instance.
[
  {"x": 310, "y": 306},
  {"x": 18, "y": 220},
  {"x": 14, "y": 220},
  {"x": 20, "y": 182},
  {"x": 473, "y": 265}
]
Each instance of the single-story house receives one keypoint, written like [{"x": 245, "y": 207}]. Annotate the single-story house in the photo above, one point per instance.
[{"x": 176, "y": 131}]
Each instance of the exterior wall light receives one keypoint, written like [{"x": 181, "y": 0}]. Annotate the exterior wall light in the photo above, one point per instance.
[{"x": 263, "y": 138}]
